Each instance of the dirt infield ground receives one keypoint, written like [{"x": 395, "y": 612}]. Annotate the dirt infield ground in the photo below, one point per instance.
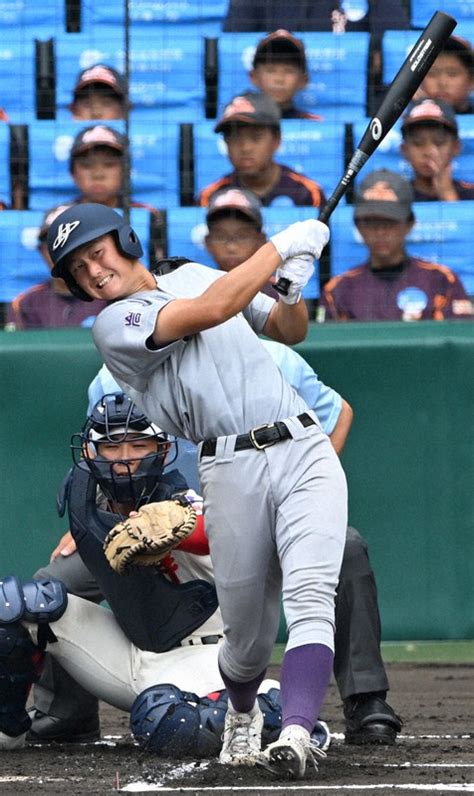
[{"x": 435, "y": 752}]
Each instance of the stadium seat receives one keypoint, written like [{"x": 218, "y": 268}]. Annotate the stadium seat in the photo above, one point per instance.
[
  {"x": 155, "y": 166},
  {"x": 313, "y": 149},
  {"x": 388, "y": 155},
  {"x": 316, "y": 150},
  {"x": 423, "y": 10},
  {"x": 4, "y": 163},
  {"x": 335, "y": 63},
  {"x": 21, "y": 265},
  {"x": 17, "y": 74},
  {"x": 50, "y": 142},
  {"x": 30, "y": 18},
  {"x": 205, "y": 15},
  {"x": 443, "y": 233},
  {"x": 166, "y": 70},
  {"x": 187, "y": 230}
]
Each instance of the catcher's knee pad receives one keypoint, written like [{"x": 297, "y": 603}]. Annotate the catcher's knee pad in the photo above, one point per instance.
[
  {"x": 39, "y": 601},
  {"x": 174, "y": 723},
  {"x": 45, "y": 600}
]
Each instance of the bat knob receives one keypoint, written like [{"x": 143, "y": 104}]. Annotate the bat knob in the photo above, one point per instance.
[{"x": 282, "y": 286}]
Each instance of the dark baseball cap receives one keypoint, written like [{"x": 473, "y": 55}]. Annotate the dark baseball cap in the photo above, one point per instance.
[
  {"x": 97, "y": 135},
  {"x": 462, "y": 48},
  {"x": 280, "y": 44},
  {"x": 430, "y": 111},
  {"x": 237, "y": 200},
  {"x": 101, "y": 73},
  {"x": 384, "y": 194},
  {"x": 251, "y": 107}
]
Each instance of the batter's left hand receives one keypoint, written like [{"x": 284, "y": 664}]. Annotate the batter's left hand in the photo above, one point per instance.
[{"x": 298, "y": 271}]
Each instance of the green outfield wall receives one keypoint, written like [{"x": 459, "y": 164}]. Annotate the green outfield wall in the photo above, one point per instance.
[{"x": 409, "y": 459}]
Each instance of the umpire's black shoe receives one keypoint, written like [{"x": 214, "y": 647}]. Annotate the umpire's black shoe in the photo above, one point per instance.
[
  {"x": 51, "y": 729},
  {"x": 369, "y": 720}
]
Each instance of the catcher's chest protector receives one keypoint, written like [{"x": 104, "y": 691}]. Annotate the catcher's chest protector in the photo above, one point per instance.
[{"x": 154, "y": 613}]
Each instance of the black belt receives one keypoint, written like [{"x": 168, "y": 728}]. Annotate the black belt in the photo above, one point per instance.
[
  {"x": 192, "y": 641},
  {"x": 260, "y": 437}
]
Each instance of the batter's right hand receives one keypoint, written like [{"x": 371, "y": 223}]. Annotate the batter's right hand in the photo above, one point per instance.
[
  {"x": 303, "y": 237},
  {"x": 66, "y": 547}
]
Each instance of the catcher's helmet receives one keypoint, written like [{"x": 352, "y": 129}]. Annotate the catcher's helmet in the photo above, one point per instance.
[
  {"x": 82, "y": 224},
  {"x": 115, "y": 418}
]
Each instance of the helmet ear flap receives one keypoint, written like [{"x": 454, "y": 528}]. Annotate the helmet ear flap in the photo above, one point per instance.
[{"x": 129, "y": 242}]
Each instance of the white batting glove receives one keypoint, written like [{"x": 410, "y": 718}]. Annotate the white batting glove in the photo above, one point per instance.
[
  {"x": 304, "y": 237},
  {"x": 298, "y": 271}
]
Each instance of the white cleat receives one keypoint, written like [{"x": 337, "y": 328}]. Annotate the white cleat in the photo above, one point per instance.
[
  {"x": 289, "y": 756},
  {"x": 242, "y": 738}
]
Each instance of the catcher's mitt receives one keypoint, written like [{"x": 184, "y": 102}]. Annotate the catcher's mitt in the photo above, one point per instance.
[{"x": 143, "y": 540}]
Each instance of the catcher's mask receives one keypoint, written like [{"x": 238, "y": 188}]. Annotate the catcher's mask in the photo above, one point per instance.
[{"x": 116, "y": 419}]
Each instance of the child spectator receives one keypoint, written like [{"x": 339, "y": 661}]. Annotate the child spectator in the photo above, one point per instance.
[
  {"x": 430, "y": 143},
  {"x": 251, "y": 127},
  {"x": 280, "y": 70},
  {"x": 235, "y": 229},
  {"x": 100, "y": 93},
  {"x": 450, "y": 78},
  {"x": 50, "y": 304},
  {"x": 391, "y": 285},
  {"x": 97, "y": 168}
]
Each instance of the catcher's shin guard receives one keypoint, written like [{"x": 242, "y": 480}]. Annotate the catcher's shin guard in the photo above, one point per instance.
[{"x": 20, "y": 660}]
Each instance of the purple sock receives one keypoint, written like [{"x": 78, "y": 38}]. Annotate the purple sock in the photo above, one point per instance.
[
  {"x": 305, "y": 675},
  {"x": 242, "y": 695}
]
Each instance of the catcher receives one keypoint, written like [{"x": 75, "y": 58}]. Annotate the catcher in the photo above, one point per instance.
[{"x": 155, "y": 653}]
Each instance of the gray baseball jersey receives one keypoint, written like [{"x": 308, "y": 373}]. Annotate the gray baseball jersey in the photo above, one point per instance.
[
  {"x": 273, "y": 516},
  {"x": 219, "y": 382}
]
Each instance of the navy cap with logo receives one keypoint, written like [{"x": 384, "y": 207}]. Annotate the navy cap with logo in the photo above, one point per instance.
[
  {"x": 102, "y": 74},
  {"x": 251, "y": 107},
  {"x": 235, "y": 200},
  {"x": 384, "y": 194},
  {"x": 280, "y": 45},
  {"x": 429, "y": 111}
]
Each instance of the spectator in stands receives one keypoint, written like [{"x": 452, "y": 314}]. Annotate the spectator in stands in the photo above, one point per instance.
[
  {"x": 280, "y": 70},
  {"x": 430, "y": 144},
  {"x": 450, "y": 79},
  {"x": 391, "y": 285},
  {"x": 100, "y": 93},
  {"x": 97, "y": 161},
  {"x": 251, "y": 127},
  {"x": 235, "y": 229},
  {"x": 50, "y": 304},
  {"x": 375, "y": 16}
]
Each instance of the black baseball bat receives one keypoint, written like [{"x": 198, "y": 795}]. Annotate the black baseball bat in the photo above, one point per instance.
[{"x": 401, "y": 90}]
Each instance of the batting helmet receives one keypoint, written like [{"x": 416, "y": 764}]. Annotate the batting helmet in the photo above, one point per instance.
[
  {"x": 115, "y": 418},
  {"x": 81, "y": 224}
]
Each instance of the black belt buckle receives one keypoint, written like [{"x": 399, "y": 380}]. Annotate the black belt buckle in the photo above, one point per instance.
[{"x": 261, "y": 445}]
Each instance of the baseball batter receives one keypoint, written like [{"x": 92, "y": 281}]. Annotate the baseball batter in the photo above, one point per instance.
[{"x": 185, "y": 349}]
